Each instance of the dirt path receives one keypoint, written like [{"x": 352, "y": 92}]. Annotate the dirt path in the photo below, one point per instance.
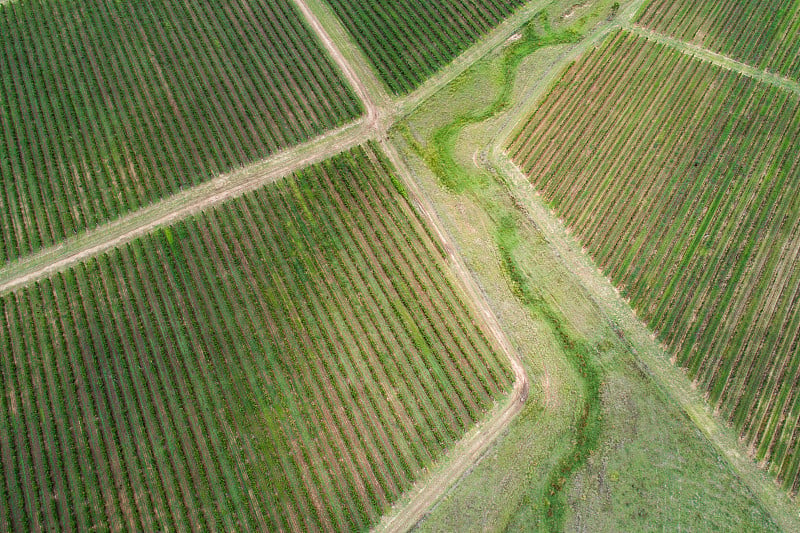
[
  {"x": 168, "y": 210},
  {"x": 720, "y": 60},
  {"x": 373, "y": 115},
  {"x": 470, "y": 449},
  {"x": 373, "y": 125}
]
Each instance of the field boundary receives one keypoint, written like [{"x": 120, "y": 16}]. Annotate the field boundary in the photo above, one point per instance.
[
  {"x": 380, "y": 113},
  {"x": 654, "y": 357},
  {"x": 471, "y": 448},
  {"x": 112, "y": 234},
  {"x": 720, "y": 60}
]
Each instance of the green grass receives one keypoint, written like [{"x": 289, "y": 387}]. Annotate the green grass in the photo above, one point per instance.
[
  {"x": 291, "y": 359},
  {"x": 591, "y": 407}
]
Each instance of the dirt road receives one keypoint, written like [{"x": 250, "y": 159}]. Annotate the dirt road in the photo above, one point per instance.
[
  {"x": 188, "y": 202},
  {"x": 470, "y": 449},
  {"x": 372, "y": 111},
  {"x": 372, "y": 125}
]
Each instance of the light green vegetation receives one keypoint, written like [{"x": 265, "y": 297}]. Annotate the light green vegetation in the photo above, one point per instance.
[
  {"x": 291, "y": 359},
  {"x": 599, "y": 446},
  {"x": 680, "y": 178}
]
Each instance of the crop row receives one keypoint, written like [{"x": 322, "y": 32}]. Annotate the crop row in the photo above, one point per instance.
[
  {"x": 292, "y": 359},
  {"x": 409, "y": 40},
  {"x": 679, "y": 178},
  {"x": 109, "y": 106},
  {"x": 765, "y": 34}
]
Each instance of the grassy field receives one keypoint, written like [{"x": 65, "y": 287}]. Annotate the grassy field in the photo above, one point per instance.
[
  {"x": 291, "y": 359},
  {"x": 409, "y": 40},
  {"x": 109, "y": 106},
  {"x": 763, "y": 34},
  {"x": 679, "y": 177},
  {"x": 599, "y": 446}
]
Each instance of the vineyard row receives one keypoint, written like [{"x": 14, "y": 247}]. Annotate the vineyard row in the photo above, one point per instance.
[
  {"x": 764, "y": 34},
  {"x": 109, "y": 106},
  {"x": 292, "y": 359},
  {"x": 410, "y": 40},
  {"x": 680, "y": 177}
]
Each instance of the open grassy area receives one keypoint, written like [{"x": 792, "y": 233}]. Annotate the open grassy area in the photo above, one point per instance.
[{"x": 600, "y": 446}]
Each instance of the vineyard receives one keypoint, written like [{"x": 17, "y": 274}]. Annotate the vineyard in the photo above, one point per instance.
[
  {"x": 291, "y": 360},
  {"x": 109, "y": 106},
  {"x": 408, "y": 40},
  {"x": 680, "y": 178},
  {"x": 765, "y": 34}
]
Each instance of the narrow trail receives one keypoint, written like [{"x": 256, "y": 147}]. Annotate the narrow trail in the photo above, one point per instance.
[
  {"x": 719, "y": 60},
  {"x": 183, "y": 204},
  {"x": 470, "y": 449},
  {"x": 373, "y": 125},
  {"x": 373, "y": 115}
]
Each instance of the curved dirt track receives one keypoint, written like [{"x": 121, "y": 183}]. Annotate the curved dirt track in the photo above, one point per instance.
[
  {"x": 470, "y": 449},
  {"x": 372, "y": 112}
]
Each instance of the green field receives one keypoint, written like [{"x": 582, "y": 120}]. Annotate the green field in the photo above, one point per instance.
[
  {"x": 109, "y": 106},
  {"x": 292, "y": 359},
  {"x": 680, "y": 178},
  {"x": 228, "y": 303},
  {"x": 409, "y": 40},
  {"x": 765, "y": 34}
]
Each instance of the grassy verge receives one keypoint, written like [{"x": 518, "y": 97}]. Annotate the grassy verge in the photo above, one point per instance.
[
  {"x": 588, "y": 425},
  {"x": 599, "y": 446},
  {"x": 439, "y": 156}
]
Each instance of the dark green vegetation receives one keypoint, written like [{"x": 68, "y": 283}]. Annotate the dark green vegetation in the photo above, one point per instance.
[
  {"x": 765, "y": 34},
  {"x": 109, "y": 106},
  {"x": 291, "y": 359},
  {"x": 680, "y": 177},
  {"x": 408, "y": 40}
]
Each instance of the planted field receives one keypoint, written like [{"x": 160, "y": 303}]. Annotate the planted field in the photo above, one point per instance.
[
  {"x": 109, "y": 106},
  {"x": 765, "y": 34},
  {"x": 289, "y": 360},
  {"x": 680, "y": 178},
  {"x": 408, "y": 40}
]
